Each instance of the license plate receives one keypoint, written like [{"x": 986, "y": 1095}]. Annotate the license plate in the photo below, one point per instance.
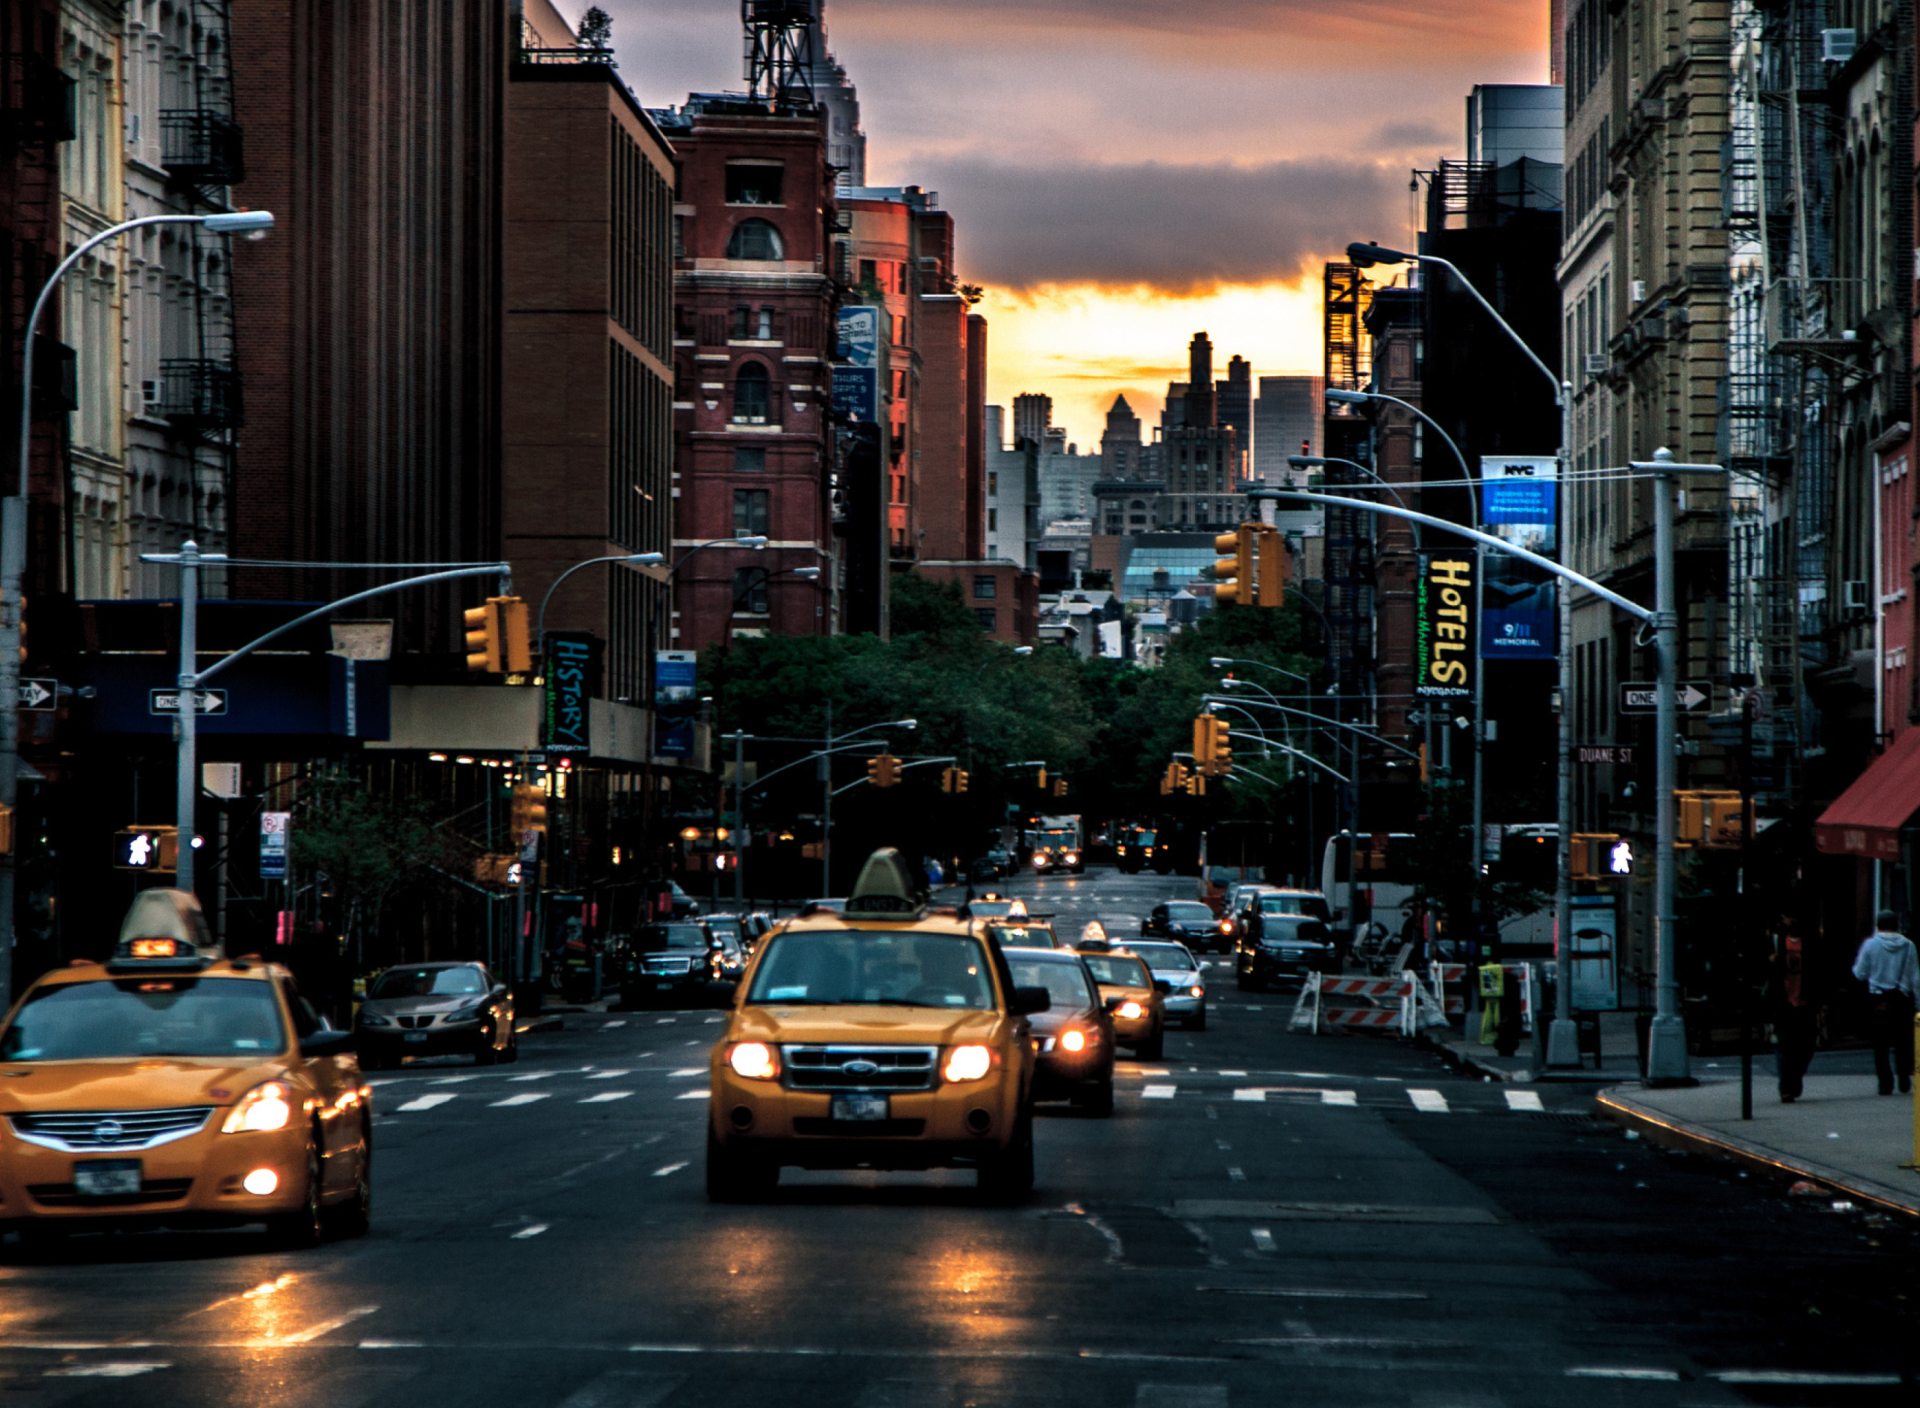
[
  {"x": 413, "y": 1036},
  {"x": 103, "y": 1178},
  {"x": 664, "y": 987},
  {"x": 859, "y": 1107}
]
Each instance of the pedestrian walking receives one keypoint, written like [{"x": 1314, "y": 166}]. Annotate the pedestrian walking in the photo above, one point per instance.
[
  {"x": 1791, "y": 1009},
  {"x": 1889, "y": 967}
]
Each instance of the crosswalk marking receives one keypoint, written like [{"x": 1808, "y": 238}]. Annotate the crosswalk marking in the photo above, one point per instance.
[
  {"x": 533, "y": 1231},
  {"x": 669, "y": 1168},
  {"x": 1180, "y": 1396},
  {"x": 691, "y": 1095},
  {"x": 1523, "y": 1100},
  {"x": 1241, "y": 1074},
  {"x": 1257, "y": 1094},
  {"x": 1238, "y": 1175},
  {"x": 685, "y": 1071},
  {"x": 616, "y": 1022},
  {"x": 524, "y": 1098},
  {"x": 1428, "y": 1102},
  {"x": 624, "y": 1388},
  {"x": 1340, "y": 1097},
  {"x": 663, "y": 1021},
  {"x": 1263, "y": 1239},
  {"x": 606, "y": 1095},
  {"x": 1158, "y": 1092},
  {"x": 614, "y": 1074},
  {"x": 425, "y": 1102},
  {"x": 535, "y": 1075}
]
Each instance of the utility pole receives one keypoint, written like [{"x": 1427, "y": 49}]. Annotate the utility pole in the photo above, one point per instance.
[
  {"x": 187, "y": 716},
  {"x": 826, "y": 810},
  {"x": 739, "y": 810}
]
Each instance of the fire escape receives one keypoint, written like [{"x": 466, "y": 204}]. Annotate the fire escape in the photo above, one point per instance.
[{"x": 1349, "y": 536}]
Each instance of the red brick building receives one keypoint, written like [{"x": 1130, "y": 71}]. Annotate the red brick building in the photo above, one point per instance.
[{"x": 755, "y": 298}]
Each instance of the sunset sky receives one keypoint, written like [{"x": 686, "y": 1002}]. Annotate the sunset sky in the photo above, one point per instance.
[{"x": 1124, "y": 173}]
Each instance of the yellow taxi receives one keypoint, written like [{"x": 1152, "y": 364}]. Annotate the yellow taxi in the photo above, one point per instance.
[
  {"x": 1131, "y": 995},
  {"x": 885, "y": 1036},
  {"x": 171, "y": 1085}
]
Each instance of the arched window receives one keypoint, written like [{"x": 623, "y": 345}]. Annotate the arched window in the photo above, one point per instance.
[
  {"x": 755, "y": 239},
  {"x": 752, "y": 394}
]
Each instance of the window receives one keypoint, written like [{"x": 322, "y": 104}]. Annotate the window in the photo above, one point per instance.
[
  {"x": 869, "y": 272},
  {"x": 903, "y": 286},
  {"x": 749, "y": 459},
  {"x": 749, "y": 589},
  {"x": 993, "y": 520},
  {"x": 752, "y": 394},
  {"x": 993, "y": 483},
  {"x": 741, "y": 322},
  {"x": 984, "y": 588},
  {"x": 763, "y": 325},
  {"x": 755, "y": 239},
  {"x": 988, "y": 618},
  {"x": 679, "y": 237},
  {"x": 753, "y": 184},
  {"x": 749, "y": 513}
]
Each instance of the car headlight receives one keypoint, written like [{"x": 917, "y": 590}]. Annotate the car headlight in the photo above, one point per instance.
[
  {"x": 1072, "y": 858},
  {"x": 265, "y": 1107},
  {"x": 1226, "y": 926},
  {"x": 754, "y": 1060},
  {"x": 374, "y": 1019},
  {"x": 465, "y": 1014},
  {"x": 1131, "y": 1009},
  {"x": 1073, "y": 1039},
  {"x": 1197, "y": 990},
  {"x": 1039, "y": 862},
  {"x": 968, "y": 1063}
]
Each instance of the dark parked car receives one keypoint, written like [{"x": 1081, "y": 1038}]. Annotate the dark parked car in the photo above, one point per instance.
[
  {"x": 1285, "y": 948},
  {"x": 435, "y": 1009},
  {"x": 1188, "y": 922},
  {"x": 671, "y": 965},
  {"x": 1072, "y": 1039}
]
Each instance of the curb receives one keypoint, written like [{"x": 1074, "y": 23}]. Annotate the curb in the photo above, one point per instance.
[
  {"x": 1452, "y": 1052},
  {"x": 1672, "y": 1133}
]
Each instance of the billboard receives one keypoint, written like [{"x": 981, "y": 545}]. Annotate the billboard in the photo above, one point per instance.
[
  {"x": 1443, "y": 627},
  {"x": 676, "y": 699},
  {"x": 569, "y": 674},
  {"x": 1520, "y": 504}
]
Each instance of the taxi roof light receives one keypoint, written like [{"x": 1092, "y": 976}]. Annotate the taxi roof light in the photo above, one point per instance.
[
  {"x": 164, "y": 929},
  {"x": 887, "y": 889}
]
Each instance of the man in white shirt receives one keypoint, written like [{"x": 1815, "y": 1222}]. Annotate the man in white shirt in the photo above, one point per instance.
[{"x": 1890, "y": 968}]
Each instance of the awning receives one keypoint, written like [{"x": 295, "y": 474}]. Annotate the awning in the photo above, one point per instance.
[{"x": 1867, "y": 817}]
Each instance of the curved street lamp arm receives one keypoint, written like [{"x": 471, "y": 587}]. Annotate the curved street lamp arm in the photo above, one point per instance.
[
  {"x": 1465, "y": 474},
  {"x": 1559, "y": 387},
  {"x": 1365, "y": 733},
  {"x": 1283, "y": 747},
  {"x": 547, "y": 600}
]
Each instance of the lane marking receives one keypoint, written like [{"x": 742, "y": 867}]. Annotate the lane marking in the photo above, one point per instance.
[
  {"x": 616, "y": 1022},
  {"x": 424, "y": 1102},
  {"x": 1428, "y": 1102},
  {"x": 325, "y": 1327},
  {"x": 1796, "y": 1376},
  {"x": 666, "y": 1169},
  {"x": 714, "y": 1021},
  {"x": 691, "y": 1095},
  {"x": 1307, "y": 1292},
  {"x": 524, "y": 1098},
  {"x": 1347, "y": 1098},
  {"x": 611, "y": 1075},
  {"x": 1158, "y": 1092},
  {"x": 1241, "y": 1074},
  {"x": 1659, "y": 1376},
  {"x": 112, "y": 1369},
  {"x": 537, "y": 1075},
  {"x": 663, "y": 1022},
  {"x": 1180, "y": 1396},
  {"x": 1524, "y": 1100},
  {"x": 686, "y": 1071},
  {"x": 606, "y": 1096},
  {"x": 392, "y": 1344},
  {"x": 451, "y": 1080},
  {"x": 1237, "y": 1175},
  {"x": 1263, "y": 1239},
  {"x": 1257, "y": 1094},
  {"x": 533, "y": 1231}
]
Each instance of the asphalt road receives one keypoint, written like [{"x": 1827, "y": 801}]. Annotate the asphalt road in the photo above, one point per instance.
[{"x": 1268, "y": 1218}]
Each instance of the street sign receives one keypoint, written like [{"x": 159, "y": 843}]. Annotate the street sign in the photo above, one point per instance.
[
  {"x": 167, "y": 701},
  {"x": 1645, "y": 698},
  {"x": 275, "y": 828},
  {"x": 39, "y": 696},
  {"x": 1601, "y": 755}
]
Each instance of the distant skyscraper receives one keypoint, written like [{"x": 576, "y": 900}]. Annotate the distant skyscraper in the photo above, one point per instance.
[
  {"x": 1120, "y": 444},
  {"x": 1201, "y": 412},
  {"x": 1032, "y": 417},
  {"x": 1286, "y": 415},
  {"x": 1233, "y": 407},
  {"x": 846, "y": 143}
]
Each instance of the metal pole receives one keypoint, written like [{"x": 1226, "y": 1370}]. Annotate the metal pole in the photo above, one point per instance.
[
  {"x": 826, "y": 813},
  {"x": 1479, "y": 850},
  {"x": 187, "y": 714},
  {"x": 739, "y": 810},
  {"x": 1667, "y": 1041},
  {"x": 1563, "y": 1036}
]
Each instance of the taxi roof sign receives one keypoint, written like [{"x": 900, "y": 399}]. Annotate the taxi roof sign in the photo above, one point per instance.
[
  {"x": 887, "y": 888},
  {"x": 163, "y": 929}
]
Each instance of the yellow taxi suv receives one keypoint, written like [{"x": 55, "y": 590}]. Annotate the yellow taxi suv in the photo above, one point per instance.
[
  {"x": 885, "y": 1036},
  {"x": 171, "y": 1085}
]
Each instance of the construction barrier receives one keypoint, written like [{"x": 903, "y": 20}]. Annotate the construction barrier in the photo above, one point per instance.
[{"x": 1383, "y": 1004}]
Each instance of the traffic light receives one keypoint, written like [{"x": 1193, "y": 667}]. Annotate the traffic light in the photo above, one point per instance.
[
  {"x": 497, "y": 636},
  {"x": 1233, "y": 576},
  {"x": 1222, "y": 749},
  {"x": 529, "y": 810},
  {"x": 1591, "y": 854},
  {"x": 1041, "y": 782},
  {"x": 1715, "y": 820},
  {"x": 1059, "y": 787},
  {"x": 875, "y": 771},
  {"x": 953, "y": 780},
  {"x": 1196, "y": 784},
  {"x": 883, "y": 771},
  {"x": 960, "y": 782},
  {"x": 1212, "y": 746},
  {"x": 1271, "y": 567}
]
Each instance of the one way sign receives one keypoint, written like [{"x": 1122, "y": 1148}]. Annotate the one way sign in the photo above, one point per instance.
[
  {"x": 1645, "y": 698},
  {"x": 167, "y": 701},
  {"x": 40, "y": 696}
]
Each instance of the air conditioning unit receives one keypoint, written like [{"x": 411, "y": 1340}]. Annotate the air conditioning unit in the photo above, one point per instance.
[
  {"x": 1598, "y": 364},
  {"x": 1637, "y": 291},
  {"x": 149, "y": 395},
  {"x": 1837, "y": 45},
  {"x": 1853, "y": 596}
]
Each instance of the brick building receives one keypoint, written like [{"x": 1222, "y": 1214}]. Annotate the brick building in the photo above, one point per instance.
[{"x": 755, "y": 308}]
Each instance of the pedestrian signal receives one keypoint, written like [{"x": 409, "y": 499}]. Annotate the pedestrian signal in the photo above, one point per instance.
[{"x": 150, "y": 848}]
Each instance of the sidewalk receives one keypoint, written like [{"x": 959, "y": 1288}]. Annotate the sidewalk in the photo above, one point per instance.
[
  {"x": 1618, "y": 1055},
  {"x": 1840, "y": 1132}
]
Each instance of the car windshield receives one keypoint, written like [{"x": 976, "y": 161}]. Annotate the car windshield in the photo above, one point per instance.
[
  {"x": 1024, "y": 935},
  {"x": 1163, "y": 955},
  {"x": 725, "y": 928},
  {"x": 1117, "y": 971},
  {"x": 990, "y": 909},
  {"x": 1294, "y": 904},
  {"x": 1195, "y": 913},
  {"x": 133, "y": 1017},
  {"x": 427, "y": 982},
  {"x": 1066, "y": 983},
  {"x": 654, "y": 937},
  {"x": 839, "y": 966},
  {"x": 1294, "y": 929}
]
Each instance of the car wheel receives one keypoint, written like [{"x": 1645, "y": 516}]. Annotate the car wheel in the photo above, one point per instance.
[
  {"x": 1006, "y": 1177},
  {"x": 733, "y": 1177},
  {"x": 353, "y": 1217},
  {"x": 41, "y": 1240},
  {"x": 485, "y": 1054},
  {"x": 1153, "y": 1047},
  {"x": 512, "y": 1053},
  {"x": 1198, "y": 1021},
  {"x": 303, "y": 1227},
  {"x": 1241, "y": 981},
  {"x": 1097, "y": 1100}
]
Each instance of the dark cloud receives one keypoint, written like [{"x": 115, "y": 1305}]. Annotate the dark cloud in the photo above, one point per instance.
[{"x": 1178, "y": 229}]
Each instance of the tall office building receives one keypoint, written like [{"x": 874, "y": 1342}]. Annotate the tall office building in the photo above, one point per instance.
[
  {"x": 1120, "y": 444},
  {"x": 834, "y": 91},
  {"x": 1286, "y": 416},
  {"x": 1032, "y": 417},
  {"x": 1233, "y": 407}
]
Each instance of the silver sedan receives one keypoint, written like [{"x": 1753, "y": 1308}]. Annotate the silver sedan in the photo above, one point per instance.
[{"x": 1185, "y": 993}]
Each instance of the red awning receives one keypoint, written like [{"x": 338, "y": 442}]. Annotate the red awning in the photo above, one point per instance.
[{"x": 1867, "y": 817}]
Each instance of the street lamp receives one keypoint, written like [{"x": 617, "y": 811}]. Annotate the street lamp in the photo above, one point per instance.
[
  {"x": 632, "y": 559},
  {"x": 1355, "y": 398},
  {"x": 13, "y": 546},
  {"x": 1563, "y": 1039}
]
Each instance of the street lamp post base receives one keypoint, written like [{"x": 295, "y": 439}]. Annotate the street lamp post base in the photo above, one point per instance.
[
  {"x": 1563, "y": 1043},
  {"x": 1667, "y": 1052}
]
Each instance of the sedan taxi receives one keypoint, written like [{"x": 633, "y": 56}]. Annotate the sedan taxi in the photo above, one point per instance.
[
  {"x": 886, "y": 1036},
  {"x": 1129, "y": 992},
  {"x": 1177, "y": 974},
  {"x": 172, "y": 1085}
]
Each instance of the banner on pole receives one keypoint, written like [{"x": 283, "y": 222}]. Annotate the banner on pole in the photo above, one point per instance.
[
  {"x": 1443, "y": 630},
  {"x": 1520, "y": 504}
]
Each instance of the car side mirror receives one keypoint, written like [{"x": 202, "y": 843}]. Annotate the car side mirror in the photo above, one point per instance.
[
  {"x": 1027, "y": 1001},
  {"x": 499, "y": 991},
  {"x": 1113, "y": 1003},
  {"x": 326, "y": 1043},
  {"x": 1162, "y": 985}
]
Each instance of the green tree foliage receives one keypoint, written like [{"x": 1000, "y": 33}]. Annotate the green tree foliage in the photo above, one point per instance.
[{"x": 370, "y": 846}]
